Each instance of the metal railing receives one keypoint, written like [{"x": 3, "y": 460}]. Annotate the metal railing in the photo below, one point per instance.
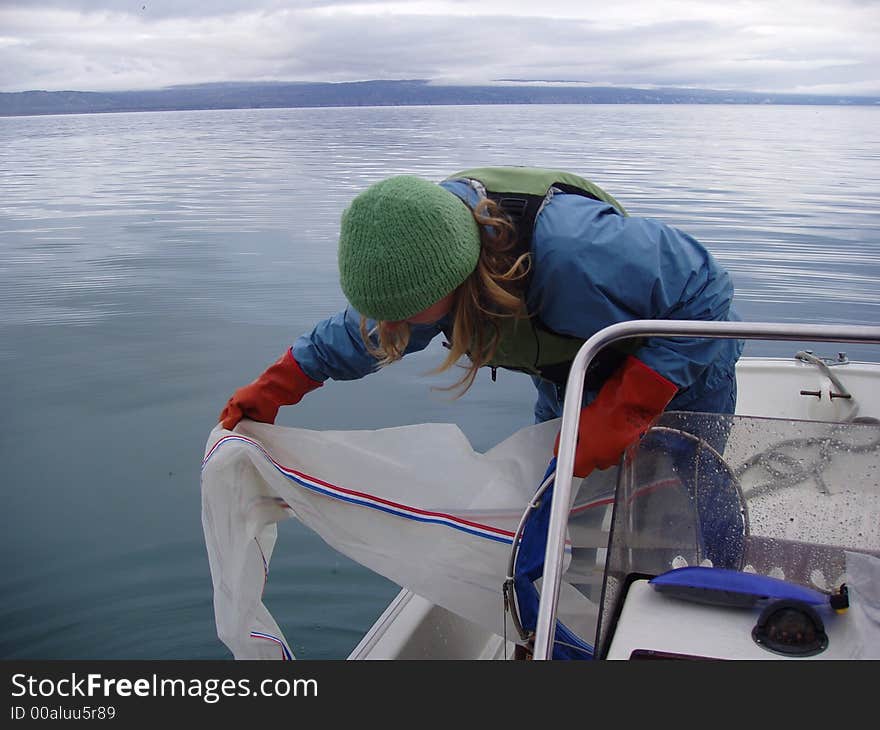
[{"x": 553, "y": 557}]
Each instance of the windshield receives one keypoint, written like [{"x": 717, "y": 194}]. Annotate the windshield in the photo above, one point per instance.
[{"x": 776, "y": 497}]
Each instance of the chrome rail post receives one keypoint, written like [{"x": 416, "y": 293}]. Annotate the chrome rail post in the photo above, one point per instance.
[{"x": 553, "y": 556}]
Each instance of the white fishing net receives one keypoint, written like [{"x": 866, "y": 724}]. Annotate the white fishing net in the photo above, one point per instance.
[{"x": 415, "y": 504}]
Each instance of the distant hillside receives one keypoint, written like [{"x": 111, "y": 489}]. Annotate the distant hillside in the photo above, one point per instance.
[{"x": 378, "y": 93}]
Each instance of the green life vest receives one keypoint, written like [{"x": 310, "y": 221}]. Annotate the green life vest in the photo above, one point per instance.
[{"x": 527, "y": 345}]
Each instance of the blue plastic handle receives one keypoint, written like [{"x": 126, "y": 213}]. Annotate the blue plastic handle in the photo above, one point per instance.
[{"x": 730, "y": 587}]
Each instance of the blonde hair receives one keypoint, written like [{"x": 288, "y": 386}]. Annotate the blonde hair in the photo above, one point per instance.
[{"x": 493, "y": 292}]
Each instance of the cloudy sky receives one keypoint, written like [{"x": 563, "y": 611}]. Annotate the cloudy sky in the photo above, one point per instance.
[{"x": 811, "y": 46}]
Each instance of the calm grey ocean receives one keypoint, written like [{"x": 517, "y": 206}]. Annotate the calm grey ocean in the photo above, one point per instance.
[{"x": 151, "y": 263}]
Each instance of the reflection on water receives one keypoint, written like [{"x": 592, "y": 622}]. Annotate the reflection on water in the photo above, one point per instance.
[{"x": 151, "y": 263}]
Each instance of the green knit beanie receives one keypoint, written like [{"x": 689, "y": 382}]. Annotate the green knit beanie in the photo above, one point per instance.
[{"x": 405, "y": 243}]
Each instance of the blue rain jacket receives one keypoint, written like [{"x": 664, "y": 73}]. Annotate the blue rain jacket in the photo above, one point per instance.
[{"x": 591, "y": 268}]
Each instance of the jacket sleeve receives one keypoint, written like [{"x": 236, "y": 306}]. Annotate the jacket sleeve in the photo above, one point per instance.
[
  {"x": 594, "y": 268},
  {"x": 334, "y": 348}
]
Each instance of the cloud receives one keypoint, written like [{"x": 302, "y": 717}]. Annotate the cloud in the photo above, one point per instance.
[{"x": 763, "y": 46}]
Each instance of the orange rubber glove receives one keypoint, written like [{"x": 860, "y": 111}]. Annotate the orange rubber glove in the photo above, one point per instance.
[
  {"x": 283, "y": 384},
  {"x": 624, "y": 409}
]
